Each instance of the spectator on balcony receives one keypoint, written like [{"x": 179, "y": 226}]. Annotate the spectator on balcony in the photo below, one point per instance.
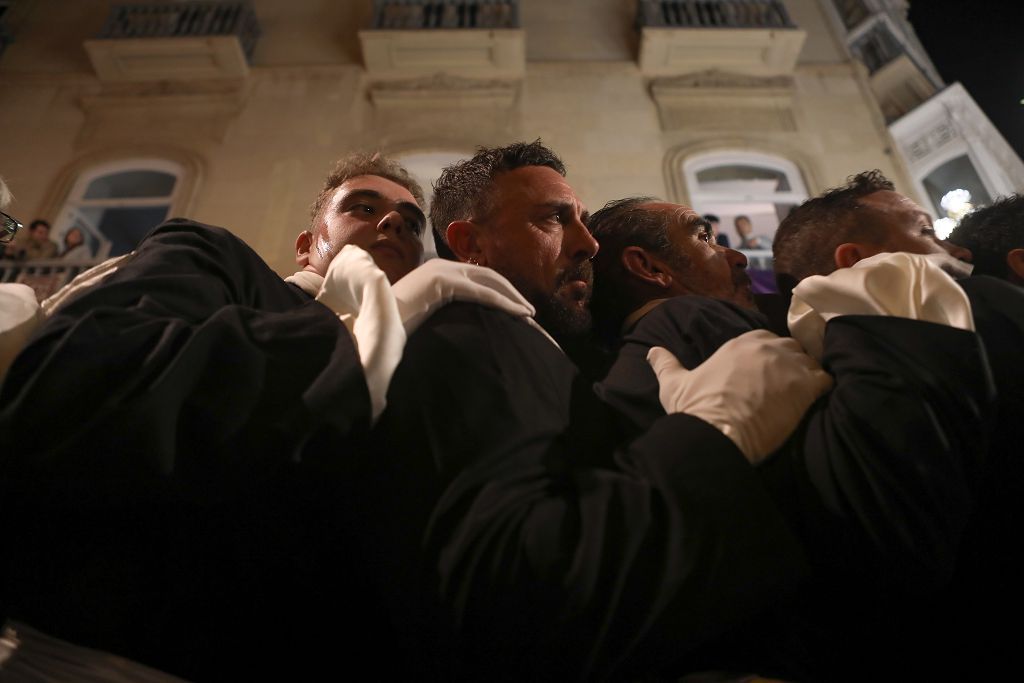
[
  {"x": 36, "y": 244},
  {"x": 749, "y": 241},
  {"x": 995, "y": 237},
  {"x": 719, "y": 237},
  {"x": 75, "y": 247}
]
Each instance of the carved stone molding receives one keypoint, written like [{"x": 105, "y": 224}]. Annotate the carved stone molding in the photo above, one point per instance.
[
  {"x": 717, "y": 100},
  {"x": 158, "y": 59},
  {"x": 478, "y": 53},
  {"x": 445, "y": 90},
  {"x": 757, "y": 51},
  {"x": 161, "y": 111}
]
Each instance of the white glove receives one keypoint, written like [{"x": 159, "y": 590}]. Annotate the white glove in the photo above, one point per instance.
[
  {"x": 360, "y": 294},
  {"x": 438, "y": 282},
  {"x": 900, "y": 285},
  {"x": 20, "y": 315},
  {"x": 755, "y": 389}
]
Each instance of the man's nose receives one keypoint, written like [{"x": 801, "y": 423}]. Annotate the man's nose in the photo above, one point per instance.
[
  {"x": 578, "y": 242},
  {"x": 393, "y": 221},
  {"x": 956, "y": 251},
  {"x": 735, "y": 259}
]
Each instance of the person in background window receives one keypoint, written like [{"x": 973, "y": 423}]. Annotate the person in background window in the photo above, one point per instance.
[
  {"x": 37, "y": 245},
  {"x": 717, "y": 235},
  {"x": 744, "y": 228},
  {"x": 75, "y": 246}
]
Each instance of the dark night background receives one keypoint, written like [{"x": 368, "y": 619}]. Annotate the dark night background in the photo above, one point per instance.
[{"x": 980, "y": 45}]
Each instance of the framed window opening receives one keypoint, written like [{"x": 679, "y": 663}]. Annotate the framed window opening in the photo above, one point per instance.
[
  {"x": 732, "y": 184},
  {"x": 116, "y": 204}
]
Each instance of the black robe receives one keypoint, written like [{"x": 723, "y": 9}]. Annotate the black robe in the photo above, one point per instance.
[
  {"x": 175, "y": 443},
  {"x": 517, "y": 540},
  {"x": 879, "y": 481}
]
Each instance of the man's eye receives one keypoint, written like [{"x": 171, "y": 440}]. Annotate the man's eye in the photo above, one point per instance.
[
  {"x": 703, "y": 236},
  {"x": 928, "y": 231},
  {"x": 362, "y": 208}
]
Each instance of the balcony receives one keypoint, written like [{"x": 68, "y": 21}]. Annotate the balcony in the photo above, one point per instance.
[
  {"x": 461, "y": 38},
  {"x": 751, "y": 37},
  {"x": 877, "y": 47},
  {"x": 175, "y": 41},
  {"x": 44, "y": 277}
]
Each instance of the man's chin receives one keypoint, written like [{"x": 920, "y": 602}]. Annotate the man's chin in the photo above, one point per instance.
[{"x": 565, "y": 315}]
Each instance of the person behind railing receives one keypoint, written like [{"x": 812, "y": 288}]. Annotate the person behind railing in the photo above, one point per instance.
[
  {"x": 36, "y": 244},
  {"x": 75, "y": 246},
  {"x": 748, "y": 241}
]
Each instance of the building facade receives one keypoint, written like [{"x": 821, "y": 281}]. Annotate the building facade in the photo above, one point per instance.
[{"x": 231, "y": 113}]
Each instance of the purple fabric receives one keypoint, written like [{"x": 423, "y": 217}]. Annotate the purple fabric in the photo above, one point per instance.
[{"x": 762, "y": 281}]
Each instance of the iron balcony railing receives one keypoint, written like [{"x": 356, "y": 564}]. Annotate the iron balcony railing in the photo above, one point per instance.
[
  {"x": 426, "y": 14},
  {"x": 713, "y": 14},
  {"x": 184, "y": 20},
  {"x": 45, "y": 277}
]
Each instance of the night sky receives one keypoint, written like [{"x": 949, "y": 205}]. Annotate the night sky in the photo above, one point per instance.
[{"x": 979, "y": 44}]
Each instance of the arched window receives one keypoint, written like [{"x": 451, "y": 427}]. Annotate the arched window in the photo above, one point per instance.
[
  {"x": 116, "y": 204},
  {"x": 736, "y": 184},
  {"x": 425, "y": 167}
]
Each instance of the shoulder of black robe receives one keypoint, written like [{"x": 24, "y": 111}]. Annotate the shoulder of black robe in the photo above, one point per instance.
[
  {"x": 775, "y": 307},
  {"x": 174, "y": 441},
  {"x": 987, "y": 591},
  {"x": 886, "y": 462},
  {"x": 692, "y": 328},
  {"x": 514, "y": 542}
]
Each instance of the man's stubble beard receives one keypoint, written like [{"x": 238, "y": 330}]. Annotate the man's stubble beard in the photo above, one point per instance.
[{"x": 560, "y": 313}]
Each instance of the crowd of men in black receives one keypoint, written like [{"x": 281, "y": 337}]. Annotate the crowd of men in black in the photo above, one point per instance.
[{"x": 584, "y": 450}]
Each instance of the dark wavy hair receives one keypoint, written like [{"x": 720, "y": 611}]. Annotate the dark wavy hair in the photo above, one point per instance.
[
  {"x": 463, "y": 191},
  {"x": 807, "y": 238},
  {"x": 991, "y": 232}
]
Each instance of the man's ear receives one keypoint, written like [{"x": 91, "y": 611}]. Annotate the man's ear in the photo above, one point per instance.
[
  {"x": 463, "y": 239},
  {"x": 303, "y": 245},
  {"x": 645, "y": 267},
  {"x": 1015, "y": 264},
  {"x": 848, "y": 253}
]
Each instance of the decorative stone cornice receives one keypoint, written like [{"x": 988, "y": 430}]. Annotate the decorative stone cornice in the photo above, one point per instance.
[{"x": 444, "y": 90}]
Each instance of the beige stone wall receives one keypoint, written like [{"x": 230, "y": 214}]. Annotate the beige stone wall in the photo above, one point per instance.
[{"x": 257, "y": 150}]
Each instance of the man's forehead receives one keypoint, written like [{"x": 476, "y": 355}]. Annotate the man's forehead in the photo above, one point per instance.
[
  {"x": 534, "y": 184},
  {"x": 682, "y": 213},
  {"x": 889, "y": 200},
  {"x": 371, "y": 184}
]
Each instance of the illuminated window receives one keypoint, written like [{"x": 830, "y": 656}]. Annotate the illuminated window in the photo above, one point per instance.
[
  {"x": 116, "y": 204},
  {"x": 426, "y": 167},
  {"x": 733, "y": 185}
]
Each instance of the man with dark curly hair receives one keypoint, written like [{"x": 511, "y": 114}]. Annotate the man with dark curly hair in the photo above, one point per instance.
[{"x": 995, "y": 236}]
